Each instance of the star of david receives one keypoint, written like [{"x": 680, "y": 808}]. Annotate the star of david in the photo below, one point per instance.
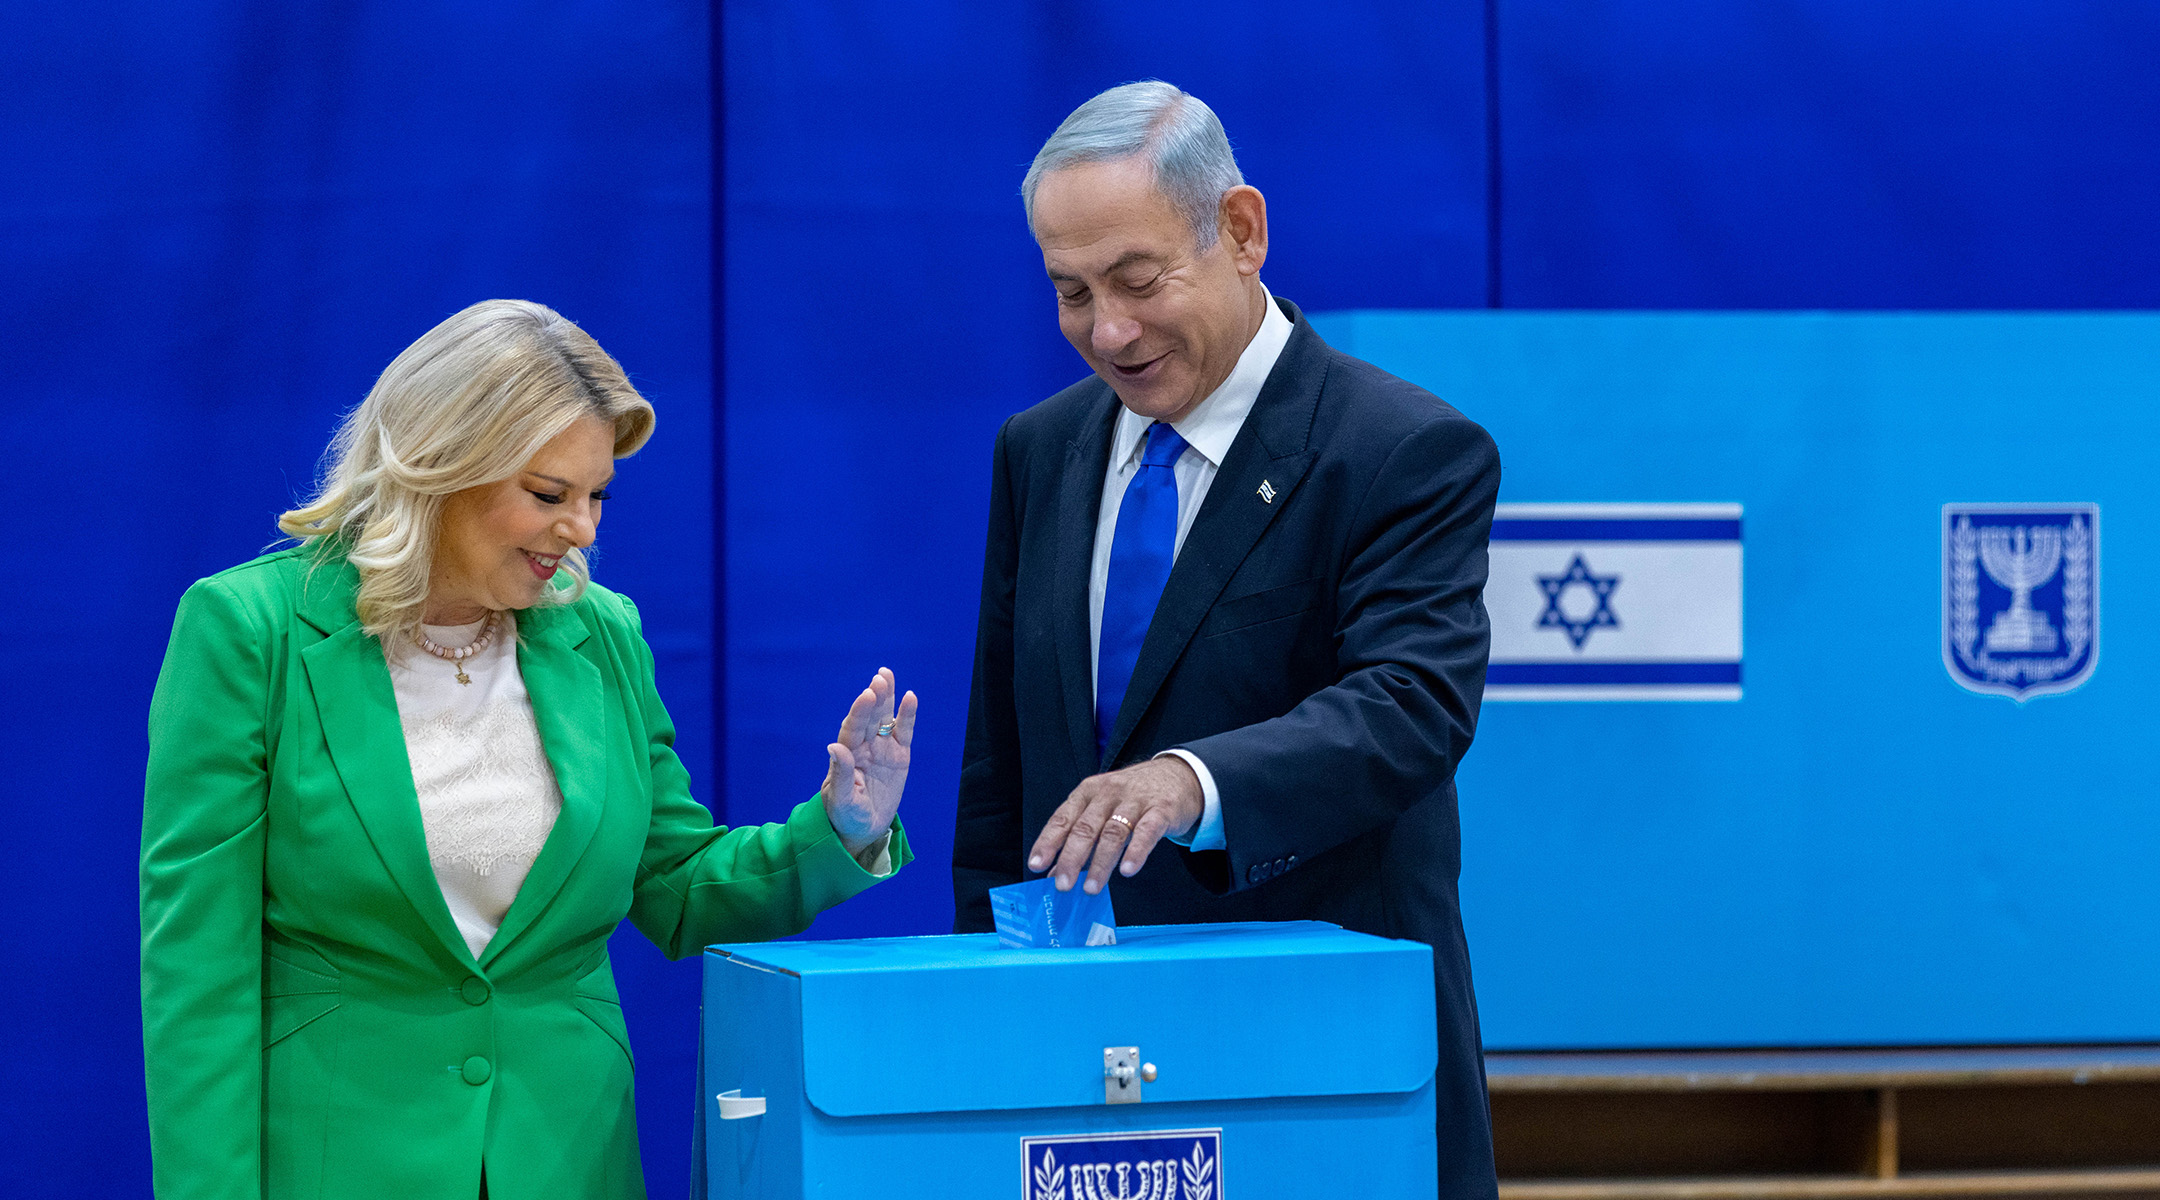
[{"x": 1578, "y": 628}]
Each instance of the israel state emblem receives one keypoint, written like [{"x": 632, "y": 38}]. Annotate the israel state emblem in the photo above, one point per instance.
[
  {"x": 2021, "y": 597},
  {"x": 1163, "y": 1164}
]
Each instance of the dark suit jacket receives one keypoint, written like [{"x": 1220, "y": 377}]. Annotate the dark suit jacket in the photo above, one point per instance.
[{"x": 1323, "y": 652}]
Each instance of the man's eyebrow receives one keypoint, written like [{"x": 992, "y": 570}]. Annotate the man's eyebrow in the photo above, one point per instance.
[
  {"x": 1127, "y": 259},
  {"x": 559, "y": 481}
]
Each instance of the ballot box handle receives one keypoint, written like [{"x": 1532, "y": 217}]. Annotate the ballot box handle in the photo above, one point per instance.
[{"x": 734, "y": 1106}]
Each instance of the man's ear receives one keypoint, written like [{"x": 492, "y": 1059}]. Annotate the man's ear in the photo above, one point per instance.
[{"x": 1242, "y": 220}]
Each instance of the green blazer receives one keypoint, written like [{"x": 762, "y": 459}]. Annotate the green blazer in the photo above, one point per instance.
[{"x": 313, "y": 1024}]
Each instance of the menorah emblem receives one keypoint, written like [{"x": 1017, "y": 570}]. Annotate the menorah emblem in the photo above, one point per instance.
[
  {"x": 2021, "y": 558},
  {"x": 2037, "y": 630},
  {"x": 1156, "y": 1179},
  {"x": 1154, "y": 1165}
]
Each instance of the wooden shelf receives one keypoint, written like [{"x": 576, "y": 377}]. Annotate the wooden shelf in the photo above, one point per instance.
[
  {"x": 1835, "y": 1187},
  {"x": 1818, "y": 1070},
  {"x": 2037, "y": 1121}
]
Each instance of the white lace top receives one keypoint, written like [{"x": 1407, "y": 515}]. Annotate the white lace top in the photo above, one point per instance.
[{"x": 488, "y": 797}]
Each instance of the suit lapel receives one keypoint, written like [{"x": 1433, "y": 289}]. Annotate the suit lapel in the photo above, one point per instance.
[
  {"x": 569, "y": 707},
  {"x": 353, "y": 697},
  {"x": 1087, "y": 458},
  {"x": 1270, "y": 450}
]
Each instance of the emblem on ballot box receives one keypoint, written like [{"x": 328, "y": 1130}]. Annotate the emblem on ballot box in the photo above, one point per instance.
[
  {"x": 1176, "y": 1164},
  {"x": 2021, "y": 596}
]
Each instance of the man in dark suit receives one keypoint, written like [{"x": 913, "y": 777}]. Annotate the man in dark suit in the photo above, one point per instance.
[{"x": 1232, "y": 593}]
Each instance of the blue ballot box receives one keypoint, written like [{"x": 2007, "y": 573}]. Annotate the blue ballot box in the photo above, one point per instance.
[{"x": 1187, "y": 1062}]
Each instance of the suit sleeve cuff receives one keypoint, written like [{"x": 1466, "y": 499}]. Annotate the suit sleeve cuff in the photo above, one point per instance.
[
  {"x": 1208, "y": 834},
  {"x": 820, "y": 853}
]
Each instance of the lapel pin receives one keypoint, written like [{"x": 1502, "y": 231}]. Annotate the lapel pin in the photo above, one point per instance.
[{"x": 1267, "y": 491}]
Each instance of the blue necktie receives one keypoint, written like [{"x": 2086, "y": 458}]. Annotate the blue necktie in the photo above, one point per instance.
[{"x": 1141, "y": 551}]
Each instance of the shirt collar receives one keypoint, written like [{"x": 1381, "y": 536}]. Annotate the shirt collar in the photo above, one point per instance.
[{"x": 1214, "y": 423}]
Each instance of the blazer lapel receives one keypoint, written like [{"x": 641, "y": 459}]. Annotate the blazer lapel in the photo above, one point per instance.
[
  {"x": 1087, "y": 458},
  {"x": 569, "y": 707},
  {"x": 1271, "y": 450},
  {"x": 353, "y": 697}
]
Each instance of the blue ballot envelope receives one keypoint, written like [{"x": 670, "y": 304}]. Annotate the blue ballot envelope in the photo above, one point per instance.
[
  {"x": 1035, "y": 915},
  {"x": 1186, "y": 1062}
]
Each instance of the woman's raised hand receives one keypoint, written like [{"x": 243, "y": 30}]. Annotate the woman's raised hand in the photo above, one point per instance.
[{"x": 869, "y": 768}]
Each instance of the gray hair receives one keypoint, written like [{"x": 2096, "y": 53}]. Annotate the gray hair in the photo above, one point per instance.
[{"x": 1183, "y": 140}]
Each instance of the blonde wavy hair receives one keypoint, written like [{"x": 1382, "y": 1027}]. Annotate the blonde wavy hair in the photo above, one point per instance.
[{"x": 467, "y": 405}]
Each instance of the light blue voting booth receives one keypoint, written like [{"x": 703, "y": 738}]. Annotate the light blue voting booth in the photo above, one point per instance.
[
  {"x": 1785, "y": 796},
  {"x": 1184, "y": 1063}
]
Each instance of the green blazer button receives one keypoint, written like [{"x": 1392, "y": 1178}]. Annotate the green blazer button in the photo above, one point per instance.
[
  {"x": 475, "y": 989},
  {"x": 477, "y": 1070}
]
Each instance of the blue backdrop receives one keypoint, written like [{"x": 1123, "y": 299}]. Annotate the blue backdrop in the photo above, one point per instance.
[
  {"x": 1828, "y": 154},
  {"x": 1859, "y": 850},
  {"x": 218, "y": 221}
]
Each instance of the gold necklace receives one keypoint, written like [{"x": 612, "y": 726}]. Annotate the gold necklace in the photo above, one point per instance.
[{"x": 456, "y": 656}]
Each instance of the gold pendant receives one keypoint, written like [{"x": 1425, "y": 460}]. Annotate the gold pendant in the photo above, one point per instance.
[{"x": 462, "y": 677}]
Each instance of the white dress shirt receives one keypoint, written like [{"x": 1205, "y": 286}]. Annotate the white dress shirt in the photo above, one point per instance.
[{"x": 1208, "y": 430}]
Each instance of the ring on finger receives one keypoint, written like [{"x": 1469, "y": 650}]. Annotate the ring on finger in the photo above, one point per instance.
[
  {"x": 1121, "y": 819},
  {"x": 885, "y": 730}
]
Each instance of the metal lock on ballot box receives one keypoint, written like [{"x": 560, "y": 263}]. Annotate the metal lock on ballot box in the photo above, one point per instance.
[{"x": 1188, "y": 1062}]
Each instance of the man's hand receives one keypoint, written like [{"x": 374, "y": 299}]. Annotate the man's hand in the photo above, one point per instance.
[{"x": 1142, "y": 803}]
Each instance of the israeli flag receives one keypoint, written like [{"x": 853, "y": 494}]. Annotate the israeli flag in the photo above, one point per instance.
[{"x": 1615, "y": 602}]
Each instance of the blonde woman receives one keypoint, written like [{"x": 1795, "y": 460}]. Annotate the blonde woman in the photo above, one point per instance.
[{"x": 406, "y": 778}]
